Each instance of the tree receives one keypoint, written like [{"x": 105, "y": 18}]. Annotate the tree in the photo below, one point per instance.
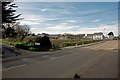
[
  {"x": 9, "y": 18},
  {"x": 110, "y": 34},
  {"x": 22, "y": 30},
  {"x": 45, "y": 43},
  {"x": 8, "y": 13},
  {"x": 9, "y": 32}
]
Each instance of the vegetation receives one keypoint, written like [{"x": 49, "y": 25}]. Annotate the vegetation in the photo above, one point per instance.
[
  {"x": 8, "y": 13},
  {"x": 19, "y": 35},
  {"x": 9, "y": 19},
  {"x": 45, "y": 44},
  {"x": 57, "y": 44},
  {"x": 110, "y": 34}
]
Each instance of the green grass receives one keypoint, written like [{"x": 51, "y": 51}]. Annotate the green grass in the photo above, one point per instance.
[{"x": 56, "y": 44}]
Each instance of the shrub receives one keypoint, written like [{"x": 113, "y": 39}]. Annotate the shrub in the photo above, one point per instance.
[
  {"x": 33, "y": 49},
  {"x": 80, "y": 43},
  {"x": 45, "y": 43},
  {"x": 19, "y": 38},
  {"x": 55, "y": 47},
  {"x": 69, "y": 44},
  {"x": 25, "y": 46},
  {"x": 29, "y": 39}
]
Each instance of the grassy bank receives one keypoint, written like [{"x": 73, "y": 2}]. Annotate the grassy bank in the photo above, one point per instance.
[
  {"x": 56, "y": 44},
  {"x": 65, "y": 43}
]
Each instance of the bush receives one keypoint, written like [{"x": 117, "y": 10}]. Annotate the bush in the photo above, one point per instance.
[
  {"x": 87, "y": 42},
  {"x": 33, "y": 49},
  {"x": 80, "y": 43},
  {"x": 45, "y": 43},
  {"x": 20, "y": 38},
  {"x": 55, "y": 47},
  {"x": 29, "y": 39},
  {"x": 25, "y": 46},
  {"x": 69, "y": 44}
]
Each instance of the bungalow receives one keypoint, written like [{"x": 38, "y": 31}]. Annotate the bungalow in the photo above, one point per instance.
[
  {"x": 98, "y": 36},
  {"x": 95, "y": 36},
  {"x": 54, "y": 36},
  {"x": 72, "y": 36},
  {"x": 89, "y": 36}
]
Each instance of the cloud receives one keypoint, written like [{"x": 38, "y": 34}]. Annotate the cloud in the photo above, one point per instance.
[
  {"x": 72, "y": 21},
  {"x": 101, "y": 28},
  {"x": 65, "y": 12},
  {"x": 57, "y": 18},
  {"x": 63, "y": 23},
  {"x": 109, "y": 28},
  {"x": 55, "y": 29},
  {"x": 43, "y": 10},
  {"x": 34, "y": 19},
  {"x": 97, "y": 20},
  {"x": 60, "y": 29},
  {"x": 28, "y": 23}
]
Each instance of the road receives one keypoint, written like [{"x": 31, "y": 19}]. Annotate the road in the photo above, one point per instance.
[{"x": 95, "y": 61}]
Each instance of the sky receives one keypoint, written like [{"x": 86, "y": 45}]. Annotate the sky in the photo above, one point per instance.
[{"x": 69, "y": 17}]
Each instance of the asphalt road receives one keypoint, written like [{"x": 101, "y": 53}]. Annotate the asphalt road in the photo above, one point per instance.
[{"x": 95, "y": 61}]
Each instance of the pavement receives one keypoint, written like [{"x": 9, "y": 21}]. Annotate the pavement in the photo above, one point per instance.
[{"x": 94, "y": 61}]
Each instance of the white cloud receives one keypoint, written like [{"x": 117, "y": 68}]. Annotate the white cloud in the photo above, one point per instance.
[
  {"x": 43, "y": 10},
  {"x": 63, "y": 23},
  {"x": 97, "y": 20},
  {"x": 72, "y": 21},
  {"x": 33, "y": 19},
  {"x": 65, "y": 12},
  {"x": 109, "y": 28},
  {"x": 54, "y": 29},
  {"x": 102, "y": 28},
  {"x": 60, "y": 29},
  {"x": 28, "y": 22}
]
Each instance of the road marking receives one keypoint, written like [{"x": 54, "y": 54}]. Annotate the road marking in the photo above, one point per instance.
[{"x": 13, "y": 67}]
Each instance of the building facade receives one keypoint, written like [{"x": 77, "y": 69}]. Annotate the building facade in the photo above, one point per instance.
[
  {"x": 54, "y": 36},
  {"x": 72, "y": 36},
  {"x": 95, "y": 36},
  {"x": 98, "y": 36}
]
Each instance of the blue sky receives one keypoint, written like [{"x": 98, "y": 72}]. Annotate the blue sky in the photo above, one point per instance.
[{"x": 69, "y": 17}]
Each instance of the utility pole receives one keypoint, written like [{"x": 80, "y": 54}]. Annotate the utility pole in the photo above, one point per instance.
[{"x": 104, "y": 35}]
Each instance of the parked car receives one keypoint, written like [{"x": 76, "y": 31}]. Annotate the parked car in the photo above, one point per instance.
[{"x": 115, "y": 38}]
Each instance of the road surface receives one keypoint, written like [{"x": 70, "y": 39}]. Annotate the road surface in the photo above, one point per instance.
[{"x": 95, "y": 61}]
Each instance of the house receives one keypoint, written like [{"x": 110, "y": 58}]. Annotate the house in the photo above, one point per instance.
[
  {"x": 95, "y": 36},
  {"x": 110, "y": 35},
  {"x": 72, "y": 36},
  {"x": 98, "y": 36},
  {"x": 89, "y": 36},
  {"x": 54, "y": 36},
  {"x": 43, "y": 34}
]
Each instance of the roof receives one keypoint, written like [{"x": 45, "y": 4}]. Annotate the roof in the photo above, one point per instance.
[
  {"x": 100, "y": 33},
  {"x": 89, "y": 34}
]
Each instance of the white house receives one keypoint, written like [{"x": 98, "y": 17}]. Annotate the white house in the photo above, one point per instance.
[
  {"x": 89, "y": 36},
  {"x": 72, "y": 36},
  {"x": 98, "y": 36}
]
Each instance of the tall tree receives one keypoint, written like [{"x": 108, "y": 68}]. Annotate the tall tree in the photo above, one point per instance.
[
  {"x": 110, "y": 34},
  {"x": 8, "y": 12},
  {"x": 9, "y": 18}
]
